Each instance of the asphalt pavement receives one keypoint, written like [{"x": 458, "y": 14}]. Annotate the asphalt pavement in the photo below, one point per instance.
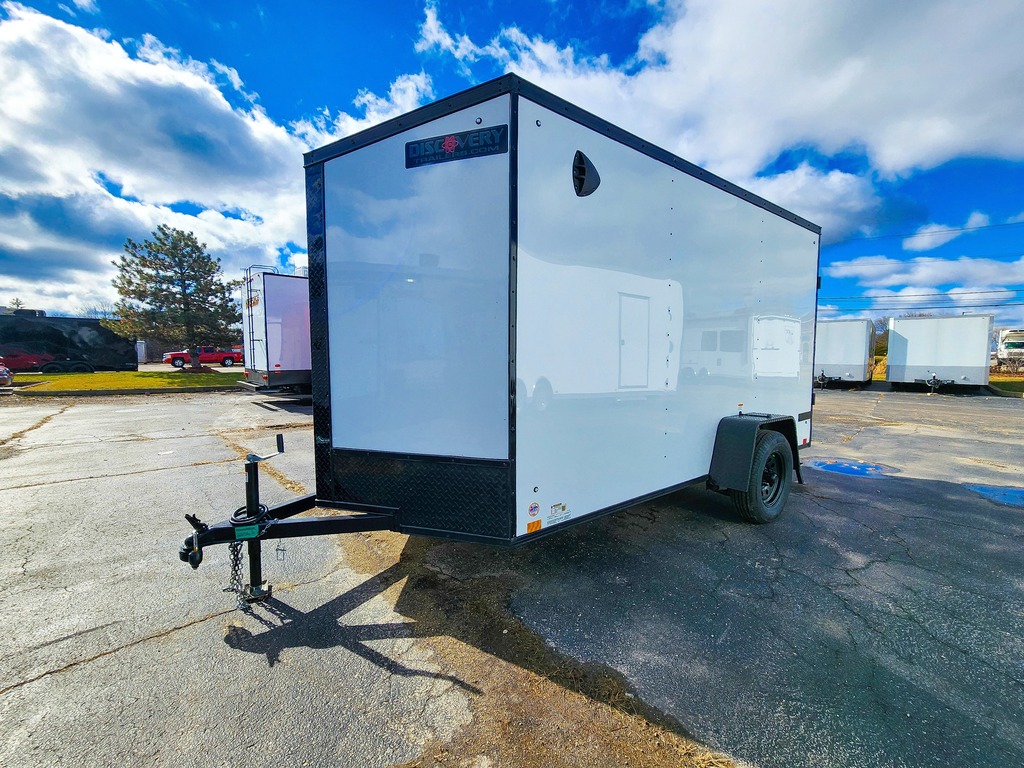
[{"x": 879, "y": 622}]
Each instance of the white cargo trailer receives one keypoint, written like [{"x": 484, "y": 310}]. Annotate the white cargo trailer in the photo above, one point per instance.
[
  {"x": 939, "y": 351},
  {"x": 500, "y": 285},
  {"x": 275, "y": 331},
  {"x": 844, "y": 350}
]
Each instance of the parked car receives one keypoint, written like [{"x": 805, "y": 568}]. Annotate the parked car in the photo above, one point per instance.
[
  {"x": 207, "y": 356},
  {"x": 6, "y": 377}
]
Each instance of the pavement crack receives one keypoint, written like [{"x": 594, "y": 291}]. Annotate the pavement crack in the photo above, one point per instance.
[
  {"x": 103, "y": 654},
  {"x": 42, "y": 422},
  {"x": 50, "y": 482}
]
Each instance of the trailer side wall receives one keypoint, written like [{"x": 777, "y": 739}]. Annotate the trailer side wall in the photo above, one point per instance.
[{"x": 607, "y": 286}]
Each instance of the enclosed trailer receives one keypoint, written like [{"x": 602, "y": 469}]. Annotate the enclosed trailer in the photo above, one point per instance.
[
  {"x": 844, "y": 350},
  {"x": 939, "y": 350},
  {"x": 500, "y": 284},
  {"x": 31, "y": 341},
  {"x": 275, "y": 331}
]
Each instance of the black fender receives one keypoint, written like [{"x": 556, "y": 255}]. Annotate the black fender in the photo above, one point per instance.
[{"x": 733, "y": 454}]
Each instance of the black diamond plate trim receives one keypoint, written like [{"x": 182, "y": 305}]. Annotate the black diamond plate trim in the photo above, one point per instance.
[
  {"x": 452, "y": 498},
  {"x": 320, "y": 374}
]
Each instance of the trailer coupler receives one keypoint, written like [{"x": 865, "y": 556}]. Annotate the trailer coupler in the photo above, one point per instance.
[
  {"x": 251, "y": 523},
  {"x": 935, "y": 382}
]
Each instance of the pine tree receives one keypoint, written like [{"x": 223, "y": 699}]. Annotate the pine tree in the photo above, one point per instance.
[{"x": 172, "y": 292}]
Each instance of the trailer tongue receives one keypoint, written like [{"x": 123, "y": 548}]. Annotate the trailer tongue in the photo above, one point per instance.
[{"x": 523, "y": 317}]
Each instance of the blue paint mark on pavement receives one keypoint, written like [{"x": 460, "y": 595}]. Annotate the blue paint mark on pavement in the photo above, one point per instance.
[
  {"x": 853, "y": 467},
  {"x": 1000, "y": 494}
]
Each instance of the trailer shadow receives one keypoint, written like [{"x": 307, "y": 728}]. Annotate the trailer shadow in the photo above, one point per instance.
[{"x": 323, "y": 627}]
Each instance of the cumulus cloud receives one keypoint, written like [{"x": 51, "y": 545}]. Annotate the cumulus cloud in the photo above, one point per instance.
[
  {"x": 405, "y": 94},
  {"x": 730, "y": 85},
  {"x": 101, "y": 140},
  {"x": 886, "y": 272},
  {"x": 931, "y": 236}
]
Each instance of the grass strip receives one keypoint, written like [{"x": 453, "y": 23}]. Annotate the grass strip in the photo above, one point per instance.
[{"x": 105, "y": 380}]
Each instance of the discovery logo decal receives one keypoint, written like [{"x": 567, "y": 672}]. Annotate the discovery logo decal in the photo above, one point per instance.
[{"x": 457, "y": 146}]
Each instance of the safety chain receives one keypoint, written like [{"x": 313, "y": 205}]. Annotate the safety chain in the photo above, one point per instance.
[{"x": 235, "y": 578}]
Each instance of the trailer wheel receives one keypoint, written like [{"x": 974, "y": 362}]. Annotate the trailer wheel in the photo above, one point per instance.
[
  {"x": 178, "y": 362},
  {"x": 227, "y": 362},
  {"x": 80, "y": 368},
  {"x": 52, "y": 368},
  {"x": 771, "y": 477}
]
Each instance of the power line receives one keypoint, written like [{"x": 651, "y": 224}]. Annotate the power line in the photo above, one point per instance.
[
  {"x": 922, "y": 306},
  {"x": 916, "y": 295}
]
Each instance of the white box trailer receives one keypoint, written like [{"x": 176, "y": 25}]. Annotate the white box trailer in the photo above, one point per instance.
[
  {"x": 844, "y": 350},
  {"x": 939, "y": 350},
  {"x": 275, "y": 331},
  {"x": 500, "y": 285}
]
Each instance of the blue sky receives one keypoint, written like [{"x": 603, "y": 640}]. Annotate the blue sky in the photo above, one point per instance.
[{"x": 895, "y": 126}]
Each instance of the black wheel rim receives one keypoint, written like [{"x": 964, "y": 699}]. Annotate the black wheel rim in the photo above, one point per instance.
[{"x": 771, "y": 479}]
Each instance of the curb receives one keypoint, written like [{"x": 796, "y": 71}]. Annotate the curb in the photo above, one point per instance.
[
  {"x": 98, "y": 392},
  {"x": 1002, "y": 393}
]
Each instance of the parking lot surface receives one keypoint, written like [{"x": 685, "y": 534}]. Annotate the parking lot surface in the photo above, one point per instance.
[{"x": 879, "y": 622}]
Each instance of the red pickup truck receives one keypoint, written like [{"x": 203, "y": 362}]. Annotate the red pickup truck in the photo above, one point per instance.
[{"x": 207, "y": 356}]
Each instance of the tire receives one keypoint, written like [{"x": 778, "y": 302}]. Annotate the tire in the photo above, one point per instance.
[
  {"x": 178, "y": 362},
  {"x": 80, "y": 368},
  {"x": 52, "y": 368},
  {"x": 771, "y": 479},
  {"x": 227, "y": 362}
]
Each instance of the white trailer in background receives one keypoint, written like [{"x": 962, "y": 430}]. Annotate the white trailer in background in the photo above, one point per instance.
[
  {"x": 275, "y": 331},
  {"x": 464, "y": 253},
  {"x": 939, "y": 351},
  {"x": 1010, "y": 349},
  {"x": 844, "y": 350}
]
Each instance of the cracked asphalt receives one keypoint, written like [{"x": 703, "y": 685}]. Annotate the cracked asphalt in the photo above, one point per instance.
[
  {"x": 116, "y": 653},
  {"x": 879, "y": 622}
]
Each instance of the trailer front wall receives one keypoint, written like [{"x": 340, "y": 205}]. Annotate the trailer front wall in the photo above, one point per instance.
[
  {"x": 955, "y": 348},
  {"x": 614, "y": 291},
  {"x": 844, "y": 349},
  {"x": 417, "y": 271}
]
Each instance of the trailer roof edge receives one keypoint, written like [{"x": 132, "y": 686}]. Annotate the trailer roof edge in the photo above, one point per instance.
[{"x": 512, "y": 83}]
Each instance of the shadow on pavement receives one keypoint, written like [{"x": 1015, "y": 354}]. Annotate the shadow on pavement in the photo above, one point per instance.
[{"x": 880, "y": 621}]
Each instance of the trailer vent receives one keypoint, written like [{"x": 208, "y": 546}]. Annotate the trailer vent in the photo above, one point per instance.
[{"x": 585, "y": 178}]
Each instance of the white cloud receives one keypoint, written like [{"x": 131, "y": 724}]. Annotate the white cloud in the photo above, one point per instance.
[
  {"x": 834, "y": 200},
  {"x": 101, "y": 140},
  {"x": 729, "y": 85},
  {"x": 885, "y": 272},
  {"x": 931, "y": 236},
  {"x": 406, "y": 93}
]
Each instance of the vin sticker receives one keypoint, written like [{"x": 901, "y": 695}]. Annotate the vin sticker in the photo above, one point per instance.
[{"x": 457, "y": 146}]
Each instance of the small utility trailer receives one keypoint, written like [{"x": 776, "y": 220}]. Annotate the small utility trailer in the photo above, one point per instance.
[
  {"x": 844, "y": 351},
  {"x": 275, "y": 331},
  {"x": 500, "y": 284},
  {"x": 939, "y": 351}
]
